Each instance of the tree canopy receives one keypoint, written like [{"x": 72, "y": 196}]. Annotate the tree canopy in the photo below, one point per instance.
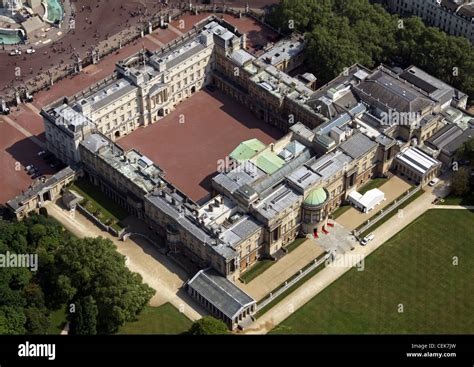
[
  {"x": 88, "y": 275},
  {"x": 208, "y": 325}
]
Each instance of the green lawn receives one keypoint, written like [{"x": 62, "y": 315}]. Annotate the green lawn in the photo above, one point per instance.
[
  {"x": 58, "y": 321},
  {"x": 95, "y": 200},
  {"x": 373, "y": 184},
  {"x": 165, "y": 319},
  {"x": 256, "y": 270},
  {"x": 452, "y": 199},
  {"x": 414, "y": 268}
]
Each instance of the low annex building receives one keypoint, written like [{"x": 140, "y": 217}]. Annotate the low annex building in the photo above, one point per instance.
[{"x": 222, "y": 298}]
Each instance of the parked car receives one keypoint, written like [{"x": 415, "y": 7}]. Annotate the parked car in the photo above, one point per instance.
[
  {"x": 30, "y": 166},
  {"x": 41, "y": 153},
  {"x": 464, "y": 162},
  {"x": 36, "y": 175},
  {"x": 367, "y": 239},
  {"x": 54, "y": 164},
  {"x": 32, "y": 171},
  {"x": 31, "y": 50},
  {"x": 433, "y": 182}
]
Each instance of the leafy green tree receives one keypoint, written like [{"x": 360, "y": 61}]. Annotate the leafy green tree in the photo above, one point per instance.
[
  {"x": 460, "y": 182},
  {"x": 208, "y": 325},
  {"x": 37, "y": 320},
  {"x": 95, "y": 268},
  {"x": 12, "y": 320},
  {"x": 466, "y": 151},
  {"x": 300, "y": 15},
  {"x": 84, "y": 320}
]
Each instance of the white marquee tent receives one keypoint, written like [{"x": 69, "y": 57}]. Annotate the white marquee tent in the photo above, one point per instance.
[{"x": 368, "y": 201}]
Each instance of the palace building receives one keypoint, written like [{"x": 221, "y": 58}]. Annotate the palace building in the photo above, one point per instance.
[{"x": 358, "y": 126}]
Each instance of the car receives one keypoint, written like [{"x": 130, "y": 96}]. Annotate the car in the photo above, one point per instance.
[
  {"x": 210, "y": 88},
  {"x": 47, "y": 156},
  {"x": 30, "y": 166},
  {"x": 31, "y": 50},
  {"x": 15, "y": 52},
  {"x": 32, "y": 171},
  {"x": 367, "y": 239},
  {"x": 41, "y": 153},
  {"x": 36, "y": 175},
  {"x": 54, "y": 164},
  {"x": 464, "y": 162},
  {"x": 433, "y": 182}
]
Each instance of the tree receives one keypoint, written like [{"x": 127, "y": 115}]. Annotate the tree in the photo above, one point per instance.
[
  {"x": 37, "y": 320},
  {"x": 208, "y": 325},
  {"x": 12, "y": 321},
  {"x": 96, "y": 269},
  {"x": 466, "y": 151},
  {"x": 460, "y": 182},
  {"x": 84, "y": 320}
]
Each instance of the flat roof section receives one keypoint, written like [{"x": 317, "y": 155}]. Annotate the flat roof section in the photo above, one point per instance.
[{"x": 220, "y": 292}]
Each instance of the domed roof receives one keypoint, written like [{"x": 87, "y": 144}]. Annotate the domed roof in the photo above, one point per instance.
[{"x": 316, "y": 197}]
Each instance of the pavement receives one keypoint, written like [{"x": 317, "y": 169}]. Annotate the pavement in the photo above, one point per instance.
[
  {"x": 157, "y": 270},
  {"x": 282, "y": 270},
  {"x": 392, "y": 189},
  {"x": 327, "y": 276}
]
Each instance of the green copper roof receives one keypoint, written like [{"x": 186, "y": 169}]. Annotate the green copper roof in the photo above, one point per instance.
[
  {"x": 247, "y": 149},
  {"x": 316, "y": 197},
  {"x": 269, "y": 162}
]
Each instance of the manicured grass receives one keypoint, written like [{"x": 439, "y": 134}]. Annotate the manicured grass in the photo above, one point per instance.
[
  {"x": 57, "y": 321},
  {"x": 415, "y": 196},
  {"x": 373, "y": 184},
  {"x": 256, "y": 270},
  {"x": 295, "y": 244},
  {"x": 415, "y": 269},
  {"x": 340, "y": 211},
  {"x": 96, "y": 201},
  {"x": 165, "y": 319},
  {"x": 452, "y": 199}
]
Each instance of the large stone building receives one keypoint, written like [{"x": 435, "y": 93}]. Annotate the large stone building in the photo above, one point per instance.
[
  {"x": 455, "y": 17},
  {"x": 358, "y": 126}
]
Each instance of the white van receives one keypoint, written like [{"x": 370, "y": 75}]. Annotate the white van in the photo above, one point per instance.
[{"x": 367, "y": 239}]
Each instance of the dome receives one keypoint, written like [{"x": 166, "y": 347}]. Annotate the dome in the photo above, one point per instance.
[{"x": 316, "y": 197}]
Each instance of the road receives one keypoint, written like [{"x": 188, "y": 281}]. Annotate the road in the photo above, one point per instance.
[
  {"x": 327, "y": 276},
  {"x": 157, "y": 270}
]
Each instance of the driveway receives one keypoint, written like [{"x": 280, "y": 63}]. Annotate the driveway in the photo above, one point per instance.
[
  {"x": 392, "y": 189},
  {"x": 282, "y": 270},
  {"x": 157, "y": 270}
]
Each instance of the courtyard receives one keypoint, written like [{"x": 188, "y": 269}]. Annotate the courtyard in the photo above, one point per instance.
[
  {"x": 392, "y": 188},
  {"x": 190, "y": 143}
]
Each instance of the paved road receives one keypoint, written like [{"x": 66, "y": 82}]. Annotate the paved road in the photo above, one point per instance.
[
  {"x": 282, "y": 270},
  {"x": 328, "y": 275},
  {"x": 157, "y": 270},
  {"x": 454, "y": 207}
]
